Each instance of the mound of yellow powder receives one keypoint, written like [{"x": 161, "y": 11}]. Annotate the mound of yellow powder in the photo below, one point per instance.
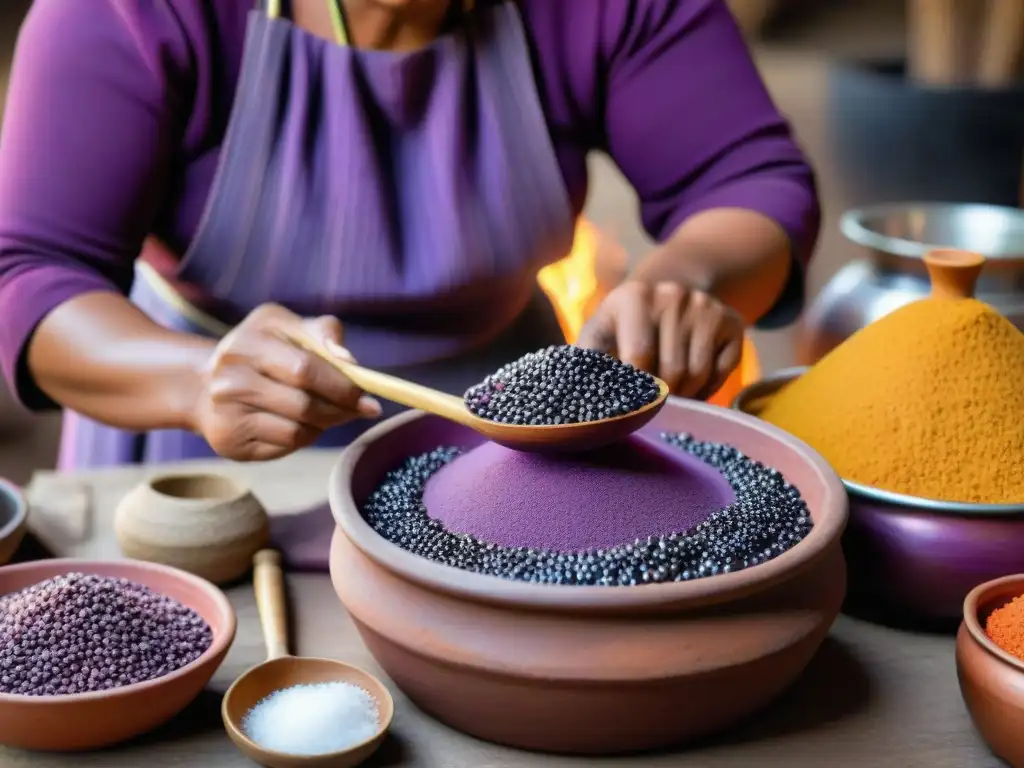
[{"x": 927, "y": 401}]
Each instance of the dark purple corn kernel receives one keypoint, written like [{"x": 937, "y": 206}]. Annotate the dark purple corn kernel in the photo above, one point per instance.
[
  {"x": 561, "y": 385},
  {"x": 79, "y": 633},
  {"x": 767, "y": 518}
]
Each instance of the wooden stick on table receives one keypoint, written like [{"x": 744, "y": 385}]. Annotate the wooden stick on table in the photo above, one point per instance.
[
  {"x": 1002, "y": 42},
  {"x": 942, "y": 40}
]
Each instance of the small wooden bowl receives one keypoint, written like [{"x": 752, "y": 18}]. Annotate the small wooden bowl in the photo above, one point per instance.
[
  {"x": 92, "y": 720},
  {"x": 208, "y": 525},
  {"x": 289, "y": 671},
  {"x": 991, "y": 680},
  {"x": 13, "y": 520}
]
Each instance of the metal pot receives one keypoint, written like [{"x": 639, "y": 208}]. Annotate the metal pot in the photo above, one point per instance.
[
  {"x": 910, "y": 557},
  {"x": 892, "y": 274}
]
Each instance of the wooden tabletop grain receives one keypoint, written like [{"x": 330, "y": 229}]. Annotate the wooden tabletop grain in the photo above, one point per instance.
[{"x": 872, "y": 697}]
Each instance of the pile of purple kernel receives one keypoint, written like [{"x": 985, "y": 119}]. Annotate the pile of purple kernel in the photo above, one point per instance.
[
  {"x": 561, "y": 385},
  {"x": 79, "y": 634},
  {"x": 767, "y": 518}
]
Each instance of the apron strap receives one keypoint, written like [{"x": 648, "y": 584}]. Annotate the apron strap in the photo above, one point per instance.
[{"x": 273, "y": 11}]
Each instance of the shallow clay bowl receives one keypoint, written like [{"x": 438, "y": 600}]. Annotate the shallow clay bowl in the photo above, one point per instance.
[
  {"x": 285, "y": 672},
  {"x": 910, "y": 555},
  {"x": 93, "y": 720},
  {"x": 991, "y": 680},
  {"x": 13, "y": 520},
  {"x": 589, "y": 670}
]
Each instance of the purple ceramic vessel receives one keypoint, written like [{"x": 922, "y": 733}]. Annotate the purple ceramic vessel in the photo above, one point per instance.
[{"x": 915, "y": 556}]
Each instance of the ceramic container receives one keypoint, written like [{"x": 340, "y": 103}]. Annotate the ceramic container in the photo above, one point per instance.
[
  {"x": 13, "y": 519},
  {"x": 208, "y": 525},
  {"x": 991, "y": 680},
  {"x": 911, "y": 555},
  {"x": 892, "y": 273},
  {"x": 92, "y": 720},
  {"x": 589, "y": 670},
  {"x": 896, "y": 139}
]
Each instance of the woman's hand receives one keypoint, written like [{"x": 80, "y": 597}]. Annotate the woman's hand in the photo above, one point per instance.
[
  {"x": 263, "y": 397},
  {"x": 684, "y": 336}
]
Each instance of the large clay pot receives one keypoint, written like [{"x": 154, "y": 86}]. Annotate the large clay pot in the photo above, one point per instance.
[{"x": 589, "y": 670}]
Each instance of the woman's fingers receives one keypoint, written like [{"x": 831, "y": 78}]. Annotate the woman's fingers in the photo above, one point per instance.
[
  {"x": 624, "y": 325},
  {"x": 635, "y": 332},
  {"x": 703, "y": 319},
  {"x": 670, "y": 303},
  {"x": 247, "y": 387},
  {"x": 296, "y": 368},
  {"x": 272, "y": 429}
]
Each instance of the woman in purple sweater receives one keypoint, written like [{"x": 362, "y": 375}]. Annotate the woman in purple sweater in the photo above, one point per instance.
[{"x": 181, "y": 180}]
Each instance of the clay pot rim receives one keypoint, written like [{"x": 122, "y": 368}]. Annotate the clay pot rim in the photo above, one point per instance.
[
  {"x": 500, "y": 592},
  {"x": 972, "y": 603},
  {"x": 221, "y": 641},
  {"x": 241, "y": 489},
  {"x": 769, "y": 384},
  {"x": 12, "y": 496}
]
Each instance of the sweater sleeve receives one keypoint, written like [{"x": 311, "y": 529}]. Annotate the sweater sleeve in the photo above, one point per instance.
[
  {"x": 690, "y": 123},
  {"x": 89, "y": 132}
]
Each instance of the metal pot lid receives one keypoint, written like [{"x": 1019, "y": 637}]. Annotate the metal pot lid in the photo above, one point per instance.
[{"x": 913, "y": 229}]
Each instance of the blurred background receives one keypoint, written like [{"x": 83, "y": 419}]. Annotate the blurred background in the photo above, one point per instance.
[{"x": 836, "y": 69}]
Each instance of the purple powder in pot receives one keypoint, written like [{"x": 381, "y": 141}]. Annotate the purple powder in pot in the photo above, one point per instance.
[
  {"x": 80, "y": 633},
  {"x": 627, "y": 491}
]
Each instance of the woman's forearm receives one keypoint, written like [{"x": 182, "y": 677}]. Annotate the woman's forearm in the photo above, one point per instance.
[
  {"x": 740, "y": 256},
  {"x": 99, "y": 355}
]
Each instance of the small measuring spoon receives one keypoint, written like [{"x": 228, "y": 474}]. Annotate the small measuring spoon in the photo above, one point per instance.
[
  {"x": 281, "y": 670},
  {"x": 520, "y": 437}
]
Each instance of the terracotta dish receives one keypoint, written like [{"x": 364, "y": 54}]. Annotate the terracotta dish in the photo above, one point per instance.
[
  {"x": 92, "y": 720},
  {"x": 589, "y": 670},
  {"x": 208, "y": 525},
  {"x": 13, "y": 519},
  {"x": 911, "y": 555},
  {"x": 991, "y": 680}
]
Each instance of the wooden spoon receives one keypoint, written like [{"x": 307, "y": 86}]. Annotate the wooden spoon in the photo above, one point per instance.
[
  {"x": 953, "y": 272},
  {"x": 282, "y": 670},
  {"x": 549, "y": 438}
]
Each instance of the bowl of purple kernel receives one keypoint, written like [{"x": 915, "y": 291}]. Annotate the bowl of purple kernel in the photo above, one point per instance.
[
  {"x": 96, "y": 653},
  {"x": 630, "y": 597}
]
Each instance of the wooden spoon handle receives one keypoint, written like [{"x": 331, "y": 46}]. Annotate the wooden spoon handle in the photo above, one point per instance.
[
  {"x": 268, "y": 583},
  {"x": 391, "y": 388},
  {"x": 1002, "y": 43},
  {"x": 953, "y": 272}
]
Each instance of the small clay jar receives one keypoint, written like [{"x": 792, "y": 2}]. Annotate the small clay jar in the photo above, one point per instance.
[{"x": 208, "y": 525}]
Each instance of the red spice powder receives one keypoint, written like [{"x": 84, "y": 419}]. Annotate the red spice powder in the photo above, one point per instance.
[{"x": 1005, "y": 627}]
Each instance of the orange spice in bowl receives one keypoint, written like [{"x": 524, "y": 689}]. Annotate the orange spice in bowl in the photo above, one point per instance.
[{"x": 1005, "y": 627}]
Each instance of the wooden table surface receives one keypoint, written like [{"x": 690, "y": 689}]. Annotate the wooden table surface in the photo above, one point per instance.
[{"x": 872, "y": 697}]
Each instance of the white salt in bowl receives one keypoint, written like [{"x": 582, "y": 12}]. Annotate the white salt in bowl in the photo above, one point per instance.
[{"x": 286, "y": 672}]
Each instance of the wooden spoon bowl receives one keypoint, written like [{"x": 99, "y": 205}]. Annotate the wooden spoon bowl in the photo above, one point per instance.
[
  {"x": 287, "y": 671},
  {"x": 282, "y": 670},
  {"x": 556, "y": 438}
]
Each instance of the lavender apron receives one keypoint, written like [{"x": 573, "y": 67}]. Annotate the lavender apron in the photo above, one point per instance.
[{"x": 413, "y": 195}]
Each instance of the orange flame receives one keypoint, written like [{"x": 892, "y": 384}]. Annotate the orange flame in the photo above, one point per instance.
[{"x": 575, "y": 290}]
